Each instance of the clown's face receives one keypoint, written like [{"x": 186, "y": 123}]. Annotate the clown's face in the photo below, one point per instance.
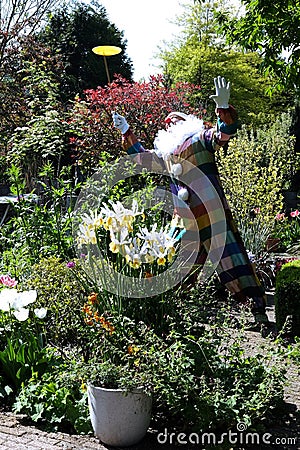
[{"x": 172, "y": 121}]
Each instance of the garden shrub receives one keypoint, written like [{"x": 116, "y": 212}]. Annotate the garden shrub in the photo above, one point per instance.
[
  {"x": 254, "y": 169},
  {"x": 63, "y": 296},
  {"x": 287, "y": 296},
  {"x": 199, "y": 381},
  {"x": 54, "y": 402}
]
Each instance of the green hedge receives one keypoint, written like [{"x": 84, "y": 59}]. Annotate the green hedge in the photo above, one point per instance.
[
  {"x": 287, "y": 296},
  {"x": 63, "y": 296}
]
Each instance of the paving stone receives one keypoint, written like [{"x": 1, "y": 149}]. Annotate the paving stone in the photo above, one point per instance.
[{"x": 12, "y": 431}]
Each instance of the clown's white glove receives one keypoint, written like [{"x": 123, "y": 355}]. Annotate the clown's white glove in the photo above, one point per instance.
[
  {"x": 222, "y": 93},
  {"x": 120, "y": 122}
]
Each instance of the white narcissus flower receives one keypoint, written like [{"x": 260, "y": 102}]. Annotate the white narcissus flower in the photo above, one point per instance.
[
  {"x": 117, "y": 243},
  {"x": 87, "y": 229},
  {"x": 87, "y": 235},
  {"x": 161, "y": 260},
  {"x": 119, "y": 216},
  {"x": 122, "y": 236},
  {"x": 93, "y": 221},
  {"x": 147, "y": 235},
  {"x": 136, "y": 261}
]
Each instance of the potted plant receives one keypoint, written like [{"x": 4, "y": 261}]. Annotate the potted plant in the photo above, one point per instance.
[
  {"x": 119, "y": 373},
  {"x": 118, "y": 378}
]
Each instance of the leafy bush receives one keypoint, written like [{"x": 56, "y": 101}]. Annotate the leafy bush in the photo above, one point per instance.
[
  {"x": 254, "y": 170},
  {"x": 39, "y": 226},
  {"x": 23, "y": 350},
  {"x": 63, "y": 296},
  {"x": 287, "y": 297},
  {"x": 145, "y": 106},
  {"x": 19, "y": 361},
  {"x": 199, "y": 382},
  {"x": 54, "y": 402}
]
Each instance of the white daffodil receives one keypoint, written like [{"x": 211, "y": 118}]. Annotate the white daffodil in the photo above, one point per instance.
[
  {"x": 149, "y": 258},
  {"x": 86, "y": 235},
  {"x": 110, "y": 223},
  {"x": 137, "y": 252},
  {"x": 114, "y": 248},
  {"x": 147, "y": 235},
  {"x": 118, "y": 242},
  {"x": 159, "y": 253},
  {"x": 122, "y": 237},
  {"x": 161, "y": 260},
  {"x": 109, "y": 216},
  {"x": 136, "y": 261},
  {"x": 119, "y": 216},
  {"x": 94, "y": 220}
]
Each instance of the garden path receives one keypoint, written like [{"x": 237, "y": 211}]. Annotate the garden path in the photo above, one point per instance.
[{"x": 16, "y": 433}]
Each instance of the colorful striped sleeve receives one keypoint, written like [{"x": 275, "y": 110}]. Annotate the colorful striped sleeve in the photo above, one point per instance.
[{"x": 131, "y": 144}]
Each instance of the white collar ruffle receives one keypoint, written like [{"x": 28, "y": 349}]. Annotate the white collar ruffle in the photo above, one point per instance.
[{"x": 167, "y": 141}]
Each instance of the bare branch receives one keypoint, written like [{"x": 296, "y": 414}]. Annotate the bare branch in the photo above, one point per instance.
[{"x": 21, "y": 17}]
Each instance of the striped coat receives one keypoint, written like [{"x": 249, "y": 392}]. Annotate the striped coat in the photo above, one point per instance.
[{"x": 207, "y": 202}]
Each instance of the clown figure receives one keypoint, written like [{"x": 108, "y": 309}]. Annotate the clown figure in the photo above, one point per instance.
[{"x": 186, "y": 148}]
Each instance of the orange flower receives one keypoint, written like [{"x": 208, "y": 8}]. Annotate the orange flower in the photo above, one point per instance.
[
  {"x": 107, "y": 326},
  {"x": 97, "y": 317},
  {"x": 89, "y": 322},
  {"x": 133, "y": 349},
  {"x": 93, "y": 298},
  {"x": 148, "y": 275},
  {"x": 87, "y": 309}
]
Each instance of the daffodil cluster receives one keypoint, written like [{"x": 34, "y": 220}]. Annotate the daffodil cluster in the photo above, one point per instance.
[{"x": 135, "y": 243}]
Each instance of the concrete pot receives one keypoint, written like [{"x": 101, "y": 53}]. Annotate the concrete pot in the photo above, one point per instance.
[{"x": 119, "y": 419}]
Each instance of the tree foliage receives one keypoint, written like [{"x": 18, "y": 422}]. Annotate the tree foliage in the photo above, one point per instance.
[
  {"x": 72, "y": 33},
  {"x": 202, "y": 54},
  {"x": 20, "y": 17},
  {"x": 272, "y": 29},
  {"x": 145, "y": 106},
  {"x": 44, "y": 137},
  {"x": 29, "y": 80}
]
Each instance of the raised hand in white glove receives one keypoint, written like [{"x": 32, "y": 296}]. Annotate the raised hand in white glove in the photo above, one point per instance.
[
  {"x": 120, "y": 122},
  {"x": 222, "y": 93}
]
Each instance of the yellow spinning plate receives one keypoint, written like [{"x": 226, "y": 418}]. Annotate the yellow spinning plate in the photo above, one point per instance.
[{"x": 106, "y": 50}]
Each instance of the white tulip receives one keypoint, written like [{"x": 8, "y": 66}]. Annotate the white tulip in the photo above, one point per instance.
[
  {"x": 40, "y": 312},
  {"x": 21, "y": 314},
  {"x": 24, "y": 299},
  {"x": 7, "y": 297}
]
